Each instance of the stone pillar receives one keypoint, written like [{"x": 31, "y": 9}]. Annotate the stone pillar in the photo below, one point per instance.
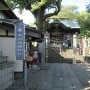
[
  {"x": 84, "y": 47},
  {"x": 46, "y": 38},
  {"x": 43, "y": 52},
  {"x": 74, "y": 48}
]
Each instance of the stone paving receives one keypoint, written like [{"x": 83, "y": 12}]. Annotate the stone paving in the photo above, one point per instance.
[
  {"x": 56, "y": 76},
  {"x": 82, "y": 71}
]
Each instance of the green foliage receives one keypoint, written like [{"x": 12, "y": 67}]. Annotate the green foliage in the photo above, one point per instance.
[
  {"x": 13, "y": 4},
  {"x": 35, "y": 4},
  {"x": 38, "y": 4},
  {"x": 84, "y": 21},
  {"x": 67, "y": 12}
]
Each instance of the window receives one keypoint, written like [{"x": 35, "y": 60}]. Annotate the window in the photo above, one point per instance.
[{"x": 6, "y": 32}]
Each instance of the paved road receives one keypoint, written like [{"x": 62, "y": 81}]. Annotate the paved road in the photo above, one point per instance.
[{"x": 57, "y": 76}]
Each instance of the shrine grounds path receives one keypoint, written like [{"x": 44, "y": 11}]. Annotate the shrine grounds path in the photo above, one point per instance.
[{"x": 56, "y": 76}]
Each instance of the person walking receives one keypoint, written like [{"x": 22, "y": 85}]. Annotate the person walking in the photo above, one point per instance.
[{"x": 35, "y": 57}]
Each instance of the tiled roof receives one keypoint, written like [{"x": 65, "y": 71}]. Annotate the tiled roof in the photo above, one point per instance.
[
  {"x": 70, "y": 23},
  {"x": 6, "y": 10},
  {"x": 66, "y": 22}
]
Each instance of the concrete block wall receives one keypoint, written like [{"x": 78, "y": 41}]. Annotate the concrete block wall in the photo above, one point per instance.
[
  {"x": 6, "y": 77},
  {"x": 7, "y": 46},
  {"x": 68, "y": 53}
]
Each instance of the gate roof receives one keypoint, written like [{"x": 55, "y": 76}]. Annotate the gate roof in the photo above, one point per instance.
[{"x": 65, "y": 24}]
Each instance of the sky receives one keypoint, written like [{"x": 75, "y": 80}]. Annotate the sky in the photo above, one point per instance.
[
  {"x": 28, "y": 18},
  {"x": 80, "y": 3}
]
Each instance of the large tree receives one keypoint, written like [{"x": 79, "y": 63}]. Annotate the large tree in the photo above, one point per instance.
[
  {"x": 84, "y": 21},
  {"x": 39, "y": 8}
]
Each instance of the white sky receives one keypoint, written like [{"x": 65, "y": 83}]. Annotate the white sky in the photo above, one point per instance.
[
  {"x": 28, "y": 18},
  {"x": 80, "y": 3}
]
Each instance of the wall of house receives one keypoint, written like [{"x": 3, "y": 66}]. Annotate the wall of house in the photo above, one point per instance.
[
  {"x": 2, "y": 16},
  {"x": 11, "y": 33},
  {"x": 6, "y": 31},
  {"x": 2, "y": 32},
  {"x": 7, "y": 46}
]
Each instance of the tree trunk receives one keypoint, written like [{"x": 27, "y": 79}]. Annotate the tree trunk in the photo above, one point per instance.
[{"x": 39, "y": 14}]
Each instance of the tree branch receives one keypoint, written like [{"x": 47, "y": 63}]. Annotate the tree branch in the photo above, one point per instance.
[{"x": 58, "y": 8}]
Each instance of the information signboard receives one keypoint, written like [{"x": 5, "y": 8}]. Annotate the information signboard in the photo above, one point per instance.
[{"x": 19, "y": 41}]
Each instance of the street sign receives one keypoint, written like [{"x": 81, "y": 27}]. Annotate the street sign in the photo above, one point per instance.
[{"x": 19, "y": 41}]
